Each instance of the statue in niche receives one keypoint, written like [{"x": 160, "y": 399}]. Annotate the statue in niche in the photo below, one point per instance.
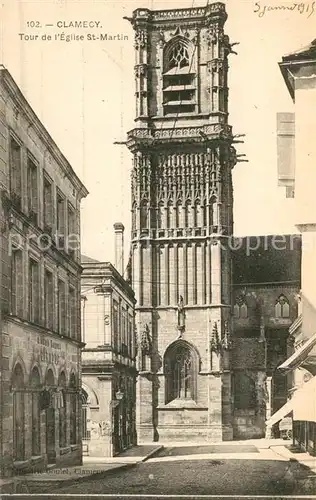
[
  {"x": 181, "y": 314},
  {"x": 146, "y": 343}
]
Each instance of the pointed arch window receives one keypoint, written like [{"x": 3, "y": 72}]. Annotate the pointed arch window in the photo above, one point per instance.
[
  {"x": 181, "y": 367},
  {"x": 179, "y": 87},
  {"x": 282, "y": 307},
  {"x": 240, "y": 308},
  {"x": 18, "y": 389}
]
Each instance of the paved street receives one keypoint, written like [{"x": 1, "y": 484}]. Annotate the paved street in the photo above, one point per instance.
[{"x": 210, "y": 470}]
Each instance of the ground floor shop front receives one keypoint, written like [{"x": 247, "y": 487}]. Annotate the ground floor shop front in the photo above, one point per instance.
[
  {"x": 108, "y": 413},
  {"x": 41, "y": 400}
]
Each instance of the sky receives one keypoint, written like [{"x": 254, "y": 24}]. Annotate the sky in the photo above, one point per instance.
[{"x": 83, "y": 92}]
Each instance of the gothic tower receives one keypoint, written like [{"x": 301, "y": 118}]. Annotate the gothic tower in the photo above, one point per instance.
[{"x": 182, "y": 223}]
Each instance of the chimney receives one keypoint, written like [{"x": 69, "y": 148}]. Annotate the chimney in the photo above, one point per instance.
[{"x": 119, "y": 247}]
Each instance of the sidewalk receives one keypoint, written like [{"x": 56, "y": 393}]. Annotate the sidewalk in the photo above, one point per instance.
[
  {"x": 307, "y": 483},
  {"x": 92, "y": 467},
  {"x": 137, "y": 454}
]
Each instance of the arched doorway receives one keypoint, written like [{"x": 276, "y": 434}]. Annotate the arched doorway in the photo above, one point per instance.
[
  {"x": 35, "y": 382},
  {"x": 18, "y": 389},
  {"x": 50, "y": 421},
  {"x": 62, "y": 409},
  {"x": 73, "y": 390}
]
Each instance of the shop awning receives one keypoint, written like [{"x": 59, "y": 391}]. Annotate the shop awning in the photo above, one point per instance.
[
  {"x": 299, "y": 356},
  {"x": 304, "y": 407},
  {"x": 302, "y": 404},
  {"x": 281, "y": 413}
]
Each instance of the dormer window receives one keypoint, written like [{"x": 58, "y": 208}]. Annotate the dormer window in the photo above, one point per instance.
[{"x": 179, "y": 87}]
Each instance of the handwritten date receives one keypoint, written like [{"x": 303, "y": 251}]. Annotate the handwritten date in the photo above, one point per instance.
[{"x": 307, "y": 8}]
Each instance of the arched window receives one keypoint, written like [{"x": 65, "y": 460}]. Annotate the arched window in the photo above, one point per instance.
[
  {"x": 181, "y": 366},
  {"x": 73, "y": 409},
  {"x": 178, "y": 56},
  {"x": 35, "y": 383},
  {"x": 85, "y": 416},
  {"x": 240, "y": 308},
  {"x": 282, "y": 307},
  {"x": 179, "y": 87},
  {"x": 245, "y": 395},
  {"x": 50, "y": 421},
  {"x": 18, "y": 413},
  {"x": 62, "y": 411}
]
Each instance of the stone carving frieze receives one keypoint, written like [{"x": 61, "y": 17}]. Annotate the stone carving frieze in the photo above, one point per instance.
[
  {"x": 141, "y": 70},
  {"x": 141, "y": 39}
]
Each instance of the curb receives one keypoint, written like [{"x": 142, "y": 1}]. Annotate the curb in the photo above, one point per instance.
[
  {"x": 154, "y": 452},
  {"x": 58, "y": 484}
]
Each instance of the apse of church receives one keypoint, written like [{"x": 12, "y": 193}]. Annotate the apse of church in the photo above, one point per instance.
[{"x": 182, "y": 222}]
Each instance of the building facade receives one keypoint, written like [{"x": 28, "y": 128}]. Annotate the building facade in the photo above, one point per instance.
[
  {"x": 109, "y": 357},
  {"x": 299, "y": 70},
  {"x": 203, "y": 373},
  {"x": 40, "y": 292},
  {"x": 266, "y": 283}
]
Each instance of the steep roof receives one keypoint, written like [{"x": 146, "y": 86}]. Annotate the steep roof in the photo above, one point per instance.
[
  {"x": 267, "y": 259},
  {"x": 305, "y": 53},
  {"x": 86, "y": 260}
]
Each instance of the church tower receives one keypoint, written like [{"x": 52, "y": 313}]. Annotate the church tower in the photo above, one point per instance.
[{"x": 182, "y": 223}]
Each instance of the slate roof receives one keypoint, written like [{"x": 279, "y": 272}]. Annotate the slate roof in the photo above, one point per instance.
[
  {"x": 267, "y": 259},
  {"x": 303, "y": 54}
]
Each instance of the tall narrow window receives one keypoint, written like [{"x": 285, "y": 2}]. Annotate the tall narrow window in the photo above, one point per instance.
[
  {"x": 34, "y": 291},
  {"x": 115, "y": 324},
  {"x": 282, "y": 307},
  {"x": 17, "y": 282},
  {"x": 15, "y": 174},
  {"x": 49, "y": 299},
  {"x": 32, "y": 191},
  {"x": 61, "y": 221},
  {"x": 72, "y": 313},
  {"x": 72, "y": 232},
  {"x": 18, "y": 413},
  {"x": 240, "y": 308},
  {"x": 181, "y": 365},
  {"x": 48, "y": 206},
  {"x": 61, "y": 303},
  {"x": 36, "y": 415}
]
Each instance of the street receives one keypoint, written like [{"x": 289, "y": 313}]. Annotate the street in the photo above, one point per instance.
[{"x": 203, "y": 470}]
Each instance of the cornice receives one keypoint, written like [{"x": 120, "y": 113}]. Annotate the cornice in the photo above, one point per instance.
[
  {"x": 21, "y": 102},
  {"x": 149, "y": 138}
]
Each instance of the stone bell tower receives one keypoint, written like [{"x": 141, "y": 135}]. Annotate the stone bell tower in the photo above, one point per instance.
[{"x": 182, "y": 223}]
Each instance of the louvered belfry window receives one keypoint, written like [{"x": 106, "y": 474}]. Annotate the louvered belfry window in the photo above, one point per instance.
[{"x": 179, "y": 79}]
